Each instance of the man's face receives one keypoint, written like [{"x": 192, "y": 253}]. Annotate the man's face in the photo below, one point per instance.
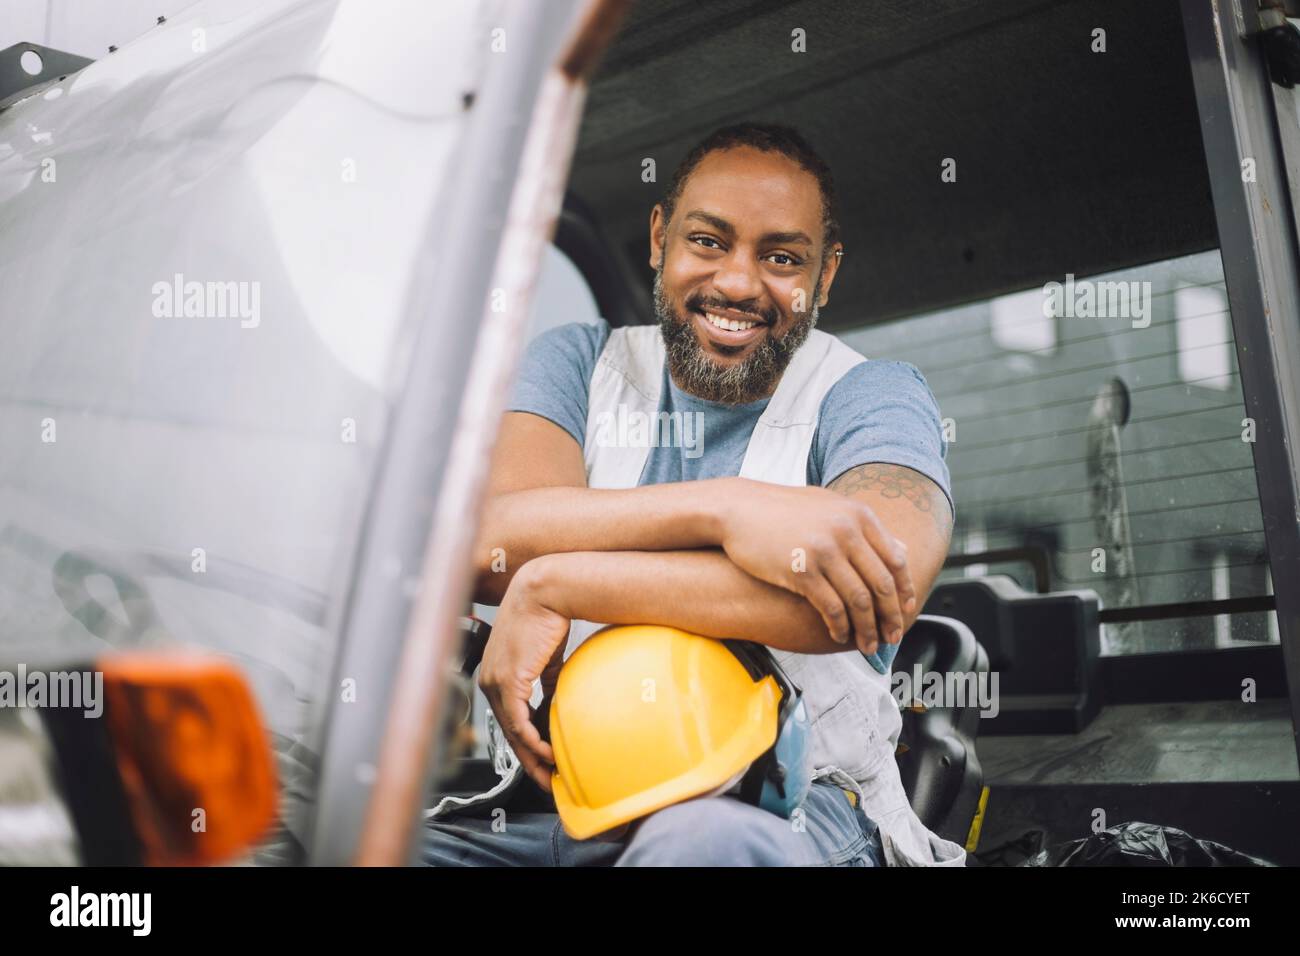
[{"x": 738, "y": 273}]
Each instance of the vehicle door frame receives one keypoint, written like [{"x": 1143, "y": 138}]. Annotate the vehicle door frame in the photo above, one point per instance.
[
  {"x": 1238, "y": 106},
  {"x": 413, "y": 578}
]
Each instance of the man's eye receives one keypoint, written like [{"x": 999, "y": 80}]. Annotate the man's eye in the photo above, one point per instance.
[
  {"x": 789, "y": 260},
  {"x": 701, "y": 240}
]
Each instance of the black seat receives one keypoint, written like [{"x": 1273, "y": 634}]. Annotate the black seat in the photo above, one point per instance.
[
  {"x": 937, "y": 762},
  {"x": 620, "y": 298},
  {"x": 1045, "y": 648}
]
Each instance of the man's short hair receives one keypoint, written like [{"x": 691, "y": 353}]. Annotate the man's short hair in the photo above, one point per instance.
[{"x": 770, "y": 138}]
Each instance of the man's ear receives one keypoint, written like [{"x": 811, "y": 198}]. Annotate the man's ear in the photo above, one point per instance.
[
  {"x": 829, "y": 270},
  {"x": 658, "y": 231}
]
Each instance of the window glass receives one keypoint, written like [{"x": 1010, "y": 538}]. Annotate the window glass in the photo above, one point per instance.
[
  {"x": 1099, "y": 421},
  {"x": 201, "y": 357}
]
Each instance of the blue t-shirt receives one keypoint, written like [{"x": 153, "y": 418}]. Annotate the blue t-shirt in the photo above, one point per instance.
[{"x": 880, "y": 411}]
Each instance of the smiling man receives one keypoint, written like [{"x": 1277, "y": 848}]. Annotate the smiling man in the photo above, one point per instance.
[{"x": 812, "y": 518}]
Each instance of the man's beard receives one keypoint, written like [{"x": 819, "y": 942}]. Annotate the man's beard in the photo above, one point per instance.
[{"x": 748, "y": 381}]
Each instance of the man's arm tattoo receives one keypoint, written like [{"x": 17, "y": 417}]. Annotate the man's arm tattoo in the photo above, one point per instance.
[{"x": 896, "y": 481}]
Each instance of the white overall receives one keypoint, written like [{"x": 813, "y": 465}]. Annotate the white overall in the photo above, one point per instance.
[{"x": 855, "y": 720}]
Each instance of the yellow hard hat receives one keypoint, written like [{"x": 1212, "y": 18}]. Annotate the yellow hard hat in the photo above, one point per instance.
[{"x": 646, "y": 716}]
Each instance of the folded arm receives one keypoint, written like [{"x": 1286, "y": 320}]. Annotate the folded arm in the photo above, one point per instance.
[
  {"x": 704, "y": 591},
  {"x": 856, "y": 552}
]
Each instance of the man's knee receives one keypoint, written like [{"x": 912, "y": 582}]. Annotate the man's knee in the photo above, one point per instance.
[{"x": 711, "y": 831}]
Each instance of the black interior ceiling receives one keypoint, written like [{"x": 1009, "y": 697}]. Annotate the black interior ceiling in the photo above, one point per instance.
[{"x": 1067, "y": 160}]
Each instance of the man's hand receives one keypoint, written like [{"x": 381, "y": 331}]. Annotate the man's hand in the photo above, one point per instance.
[
  {"x": 527, "y": 643},
  {"x": 830, "y": 549}
]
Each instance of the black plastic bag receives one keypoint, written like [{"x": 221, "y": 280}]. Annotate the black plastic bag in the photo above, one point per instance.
[
  {"x": 1142, "y": 844},
  {"x": 1014, "y": 852}
]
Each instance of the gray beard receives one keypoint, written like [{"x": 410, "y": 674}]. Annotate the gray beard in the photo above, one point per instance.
[{"x": 695, "y": 372}]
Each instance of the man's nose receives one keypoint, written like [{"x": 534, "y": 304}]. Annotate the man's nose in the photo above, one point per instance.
[{"x": 737, "y": 279}]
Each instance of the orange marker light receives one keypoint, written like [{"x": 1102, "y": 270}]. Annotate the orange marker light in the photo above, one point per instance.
[{"x": 195, "y": 760}]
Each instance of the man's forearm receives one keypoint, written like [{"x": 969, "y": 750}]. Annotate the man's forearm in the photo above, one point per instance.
[
  {"x": 698, "y": 591},
  {"x": 519, "y": 526}
]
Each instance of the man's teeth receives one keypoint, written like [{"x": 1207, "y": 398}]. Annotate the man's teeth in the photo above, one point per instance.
[{"x": 731, "y": 325}]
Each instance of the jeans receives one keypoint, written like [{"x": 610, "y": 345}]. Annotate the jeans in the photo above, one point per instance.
[{"x": 827, "y": 830}]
